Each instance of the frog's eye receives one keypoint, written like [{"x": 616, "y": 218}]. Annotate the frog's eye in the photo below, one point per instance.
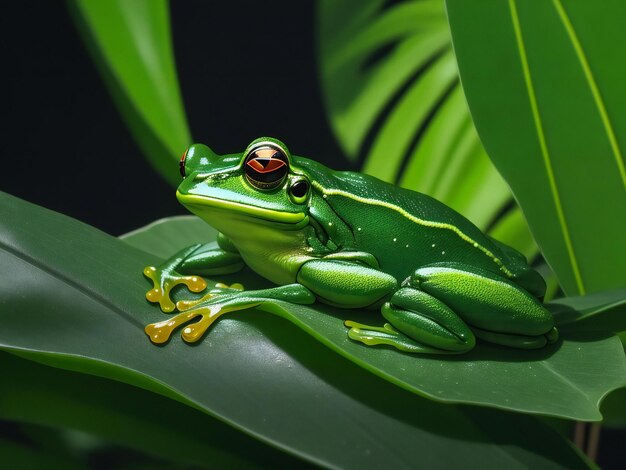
[{"x": 266, "y": 166}]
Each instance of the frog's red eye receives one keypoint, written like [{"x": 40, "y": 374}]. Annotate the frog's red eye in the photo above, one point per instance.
[
  {"x": 266, "y": 166},
  {"x": 181, "y": 164}
]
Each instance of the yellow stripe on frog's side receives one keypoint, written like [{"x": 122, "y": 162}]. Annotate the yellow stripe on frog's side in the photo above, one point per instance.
[{"x": 417, "y": 220}]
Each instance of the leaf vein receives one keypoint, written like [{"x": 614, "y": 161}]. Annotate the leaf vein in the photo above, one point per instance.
[
  {"x": 544, "y": 148},
  {"x": 593, "y": 86}
]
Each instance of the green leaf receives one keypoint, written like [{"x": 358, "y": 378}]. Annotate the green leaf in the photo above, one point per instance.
[
  {"x": 127, "y": 416},
  {"x": 131, "y": 44},
  {"x": 166, "y": 236},
  {"x": 256, "y": 372},
  {"x": 546, "y": 95},
  {"x": 600, "y": 311},
  {"x": 392, "y": 95},
  {"x": 614, "y": 409},
  {"x": 472, "y": 378}
]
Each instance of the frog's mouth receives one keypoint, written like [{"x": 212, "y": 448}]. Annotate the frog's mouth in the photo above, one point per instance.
[{"x": 199, "y": 205}]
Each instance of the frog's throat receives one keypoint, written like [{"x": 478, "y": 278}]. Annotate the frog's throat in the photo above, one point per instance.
[{"x": 295, "y": 219}]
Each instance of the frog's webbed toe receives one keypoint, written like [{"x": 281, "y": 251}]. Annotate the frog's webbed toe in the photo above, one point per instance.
[
  {"x": 387, "y": 335},
  {"x": 164, "y": 281},
  {"x": 160, "y": 332},
  {"x": 208, "y": 308}
]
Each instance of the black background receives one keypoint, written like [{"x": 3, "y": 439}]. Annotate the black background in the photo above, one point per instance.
[{"x": 246, "y": 69}]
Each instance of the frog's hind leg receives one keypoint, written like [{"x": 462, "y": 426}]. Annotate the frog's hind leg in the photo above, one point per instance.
[{"x": 418, "y": 323}]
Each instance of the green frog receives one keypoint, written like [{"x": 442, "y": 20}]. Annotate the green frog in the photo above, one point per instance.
[{"x": 351, "y": 241}]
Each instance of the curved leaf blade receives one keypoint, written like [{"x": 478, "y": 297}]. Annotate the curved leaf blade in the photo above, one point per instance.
[
  {"x": 126, "y": 416},
  {"x": 86, "y": 313},
  {"x": 600, "y": 311},
  {"x": 548, "y": 104},
  {"x": 131, "y": 44},
  {"x": 555, "y": 381}
]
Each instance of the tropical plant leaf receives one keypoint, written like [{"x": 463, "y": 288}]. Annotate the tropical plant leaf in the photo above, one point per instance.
[
  {"x": 547, "y": 99},
  {"x": 131, "y": 44},
  {"x": 614, "y": 409},
  {"x": 86, "y": 312},
  {"x": 393, "y": 98},
  {"x": 467, "y": 379},
  {"x": 127, "y": 416},
  {"x": 471, "y": 370},
  {"x": 172, "y": 233},
  {"x": 600, "y": 311}
]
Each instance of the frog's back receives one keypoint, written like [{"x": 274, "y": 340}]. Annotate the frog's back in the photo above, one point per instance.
[{"x": 405, "y": 229}]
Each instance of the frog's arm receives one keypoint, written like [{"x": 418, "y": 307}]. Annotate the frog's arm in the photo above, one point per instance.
[
  {"x": 220, "y": 301},
  {"x": 185, "y": 267},
  {"x": 335, "y": 281}
]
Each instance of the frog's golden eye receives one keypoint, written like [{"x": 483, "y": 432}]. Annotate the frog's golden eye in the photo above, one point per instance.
[{"x": 266, "y": 166}]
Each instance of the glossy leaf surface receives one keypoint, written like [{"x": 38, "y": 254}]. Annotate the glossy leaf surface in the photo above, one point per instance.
[
  {"x": 394, "y": 99},
  {"x": 127, "y": 416},
  {"x": 545, "y": 85},
  {"x": 131, "y": 44},
  {"x": 86, "y": 312},
  {"x": 489, "y": 375},
  {"x": 599, "y": 311}
]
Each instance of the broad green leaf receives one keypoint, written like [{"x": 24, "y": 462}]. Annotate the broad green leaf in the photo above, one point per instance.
[
  {"x": 166, "y": 236},
  {"x": 393, "y": 96},
  {"x": 130, "y": 42},
  {"x": 599, "y": 311},
  {"x": 256, "y": 372},
  {"x": 422, "y": 374},
  {"x": 471, "y": 378},
  {"x": 545, "y": 88},
  {"x": 126, "y": 416},
  {"x": 614, "y": 409}
]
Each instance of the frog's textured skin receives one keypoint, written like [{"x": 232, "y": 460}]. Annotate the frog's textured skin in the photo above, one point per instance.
[{"x": 352, "y": 241}]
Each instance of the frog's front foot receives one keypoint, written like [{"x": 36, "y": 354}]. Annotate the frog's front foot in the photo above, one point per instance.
[
  {"x": 164, "y": 279},
  {"x": 220, "y": 300}
]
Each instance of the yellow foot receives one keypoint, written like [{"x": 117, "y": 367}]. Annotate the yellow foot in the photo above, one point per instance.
[
  {"x": 164, "y": 282},
  {"x": 161, "y": 332}
]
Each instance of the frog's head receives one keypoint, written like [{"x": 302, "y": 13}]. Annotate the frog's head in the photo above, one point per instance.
[{"x": 260, "y": 185}]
